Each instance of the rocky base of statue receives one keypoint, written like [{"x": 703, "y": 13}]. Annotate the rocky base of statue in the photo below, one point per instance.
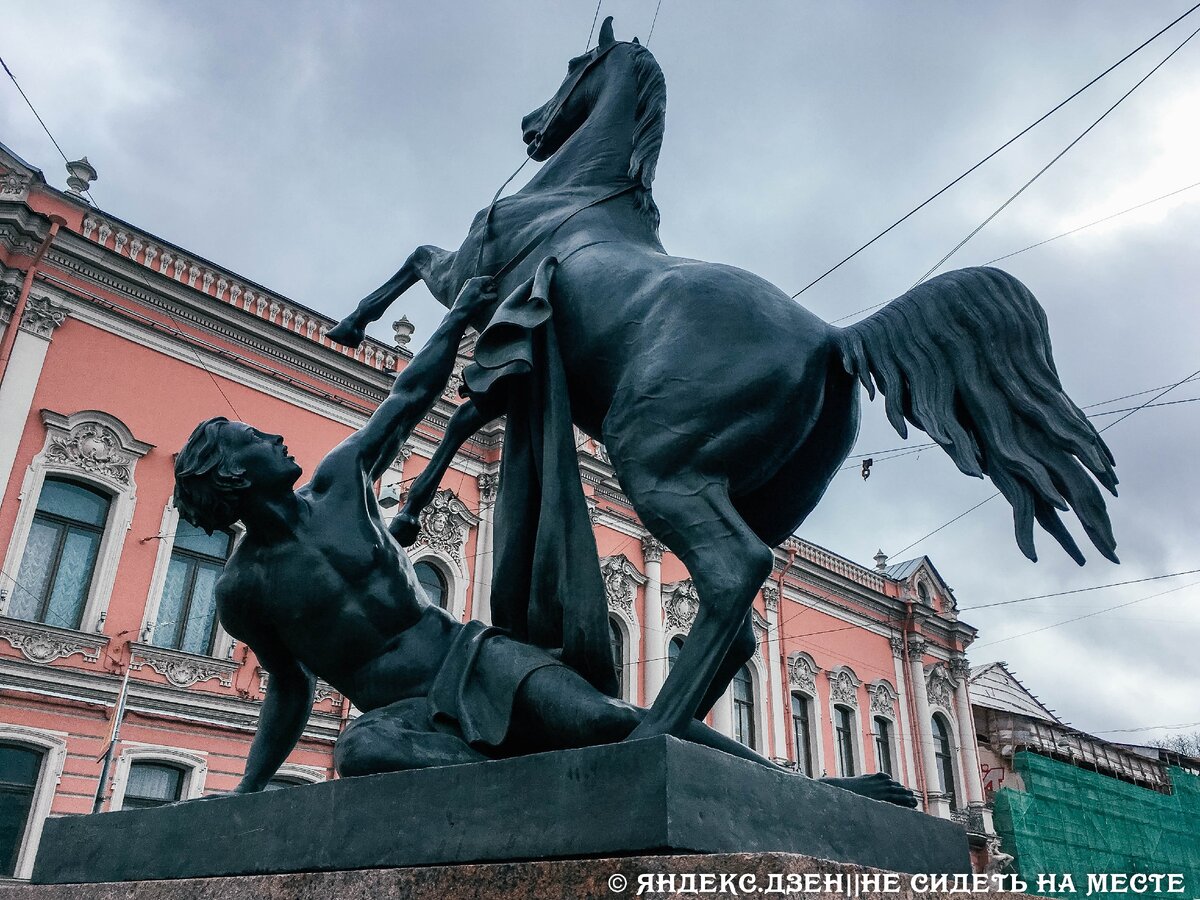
[
  {"x": 718, "y": 876},
  {"x": 657, "y": 796}
]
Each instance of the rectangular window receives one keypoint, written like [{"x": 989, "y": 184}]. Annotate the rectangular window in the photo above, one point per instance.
[
  {"x": 802, "y": 733},
  {"x": 187, "y": 612},
  {"x": 845, "y": 740},
  {"x": 883, "y": 744}
]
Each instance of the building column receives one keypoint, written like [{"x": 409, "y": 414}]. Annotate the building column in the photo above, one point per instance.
[
  {"x": 654, "y": 626},
  {"x": 38, "y": 322},
  {"x": 908, "y": 740},
  {"x": 961, "y": 670},
  {"x": 722, "y": 714},
  {"x": 935, "y": 803},
  {"x": 778, "y": 705},
  {"x": 481, "y": 604}
]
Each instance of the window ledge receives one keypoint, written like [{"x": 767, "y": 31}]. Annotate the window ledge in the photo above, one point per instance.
[
  {"x": 43, "y": 644},
  {"x": 180, "y": 668}
]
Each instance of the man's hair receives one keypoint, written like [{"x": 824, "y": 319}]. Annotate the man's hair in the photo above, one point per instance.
[{"x": 207, "y": 480}]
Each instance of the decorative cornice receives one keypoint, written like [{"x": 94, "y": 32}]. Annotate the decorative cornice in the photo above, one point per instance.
[
  {"x": 882, "y": 699},
  {"x": 45, "y": 643},
  {"x": 939, "y": 686},
  {"x": 93, "y": 442},
  {"x": 445, "y": 523},
  {"x": 621, "y": 579},
  {"x": 802, "y": 673},
  {"x": 770, "y": 592},
  {"x": 843, "y": 686},
  {"x": 182, "y": 669},
  {"x": 652, "y": 549},
  {"x": 41, "y": 316},
  {"x": 680, "y": 604},
  {"x": 488, "y": 483},
  {"x": 916, "y": 647},
  {"x": 960, "y": 668}
]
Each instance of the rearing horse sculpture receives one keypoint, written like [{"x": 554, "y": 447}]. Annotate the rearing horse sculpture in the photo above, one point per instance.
[{"x": 725, "y": 407}]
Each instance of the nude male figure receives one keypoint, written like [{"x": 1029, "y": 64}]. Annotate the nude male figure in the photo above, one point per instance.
[{"x": 318, "y": 588}]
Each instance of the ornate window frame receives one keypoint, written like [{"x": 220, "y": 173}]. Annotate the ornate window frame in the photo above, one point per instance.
[
  {"x": 223, "y": 643},
  {"x": 307, "y": 774},
  {"x": 802, "y": 679},
  {"x": 843, "y": 691},
  {"x": 93, "y": 448},
  {"x": 194, "y": 765},
  {"x": 53, "y": 746},
  {"x": 883, "y": 705},
  {"x": 760, "y": 710},
  {"x": 621, "y": 583},
  {"x": 446, "y": 525}
]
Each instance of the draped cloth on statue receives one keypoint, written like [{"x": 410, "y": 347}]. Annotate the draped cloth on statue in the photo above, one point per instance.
[{"x": 547, "y": 588}]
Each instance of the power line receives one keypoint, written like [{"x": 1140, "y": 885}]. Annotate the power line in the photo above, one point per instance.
[
  {"x": 1003, "y": 206},
  {"x": 653, "y": 22},
  {"x": 1078, "y": 590},
  {"x": 1003, "y": 146},
  {"x": 1149, "y": 728},
  {"x": 593, "y": 28},
  {"x": 1090, "y": 224},
  {"x": 29, "y": 103},
  {"x": 1097, "y": 612}
]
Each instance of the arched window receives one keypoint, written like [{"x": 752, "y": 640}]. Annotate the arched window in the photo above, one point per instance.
[
  {"x": 802, "y": 733},
  {"x": 60, "y": 554},
  {"x": 945, "y": 759},
  {"x": 278, "y": 784},
  {"x": 433, "y": 583},
  {"x": 617, "y": 641},
  {"x": 844, "y": 730},
  {"x": 19, "y": 769},
  {"x": 743, "y": 707},
  {"x": 673, "y": 650},
  {"x": 187, "y": 614},
  {"x": 883, "y": 744},
  {"x": 923, "y": 593},
  {"x": 152, "y": 784}
]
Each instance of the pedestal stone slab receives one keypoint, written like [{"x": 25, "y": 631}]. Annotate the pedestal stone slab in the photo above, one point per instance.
[
  {"x": 664, "y": 878},
  {"x": 655, "y": 796}
]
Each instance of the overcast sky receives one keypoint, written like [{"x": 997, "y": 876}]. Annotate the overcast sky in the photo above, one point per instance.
[{"x": 311, "y": 146}]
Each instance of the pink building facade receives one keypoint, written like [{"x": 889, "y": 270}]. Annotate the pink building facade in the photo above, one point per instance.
[{"x": 115, "y": 343}]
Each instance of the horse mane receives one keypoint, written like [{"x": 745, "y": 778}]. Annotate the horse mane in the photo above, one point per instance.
[{"x": 650, "y": 120}]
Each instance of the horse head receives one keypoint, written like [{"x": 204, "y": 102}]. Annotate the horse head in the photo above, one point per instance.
[{"x": 609, "y": 66}]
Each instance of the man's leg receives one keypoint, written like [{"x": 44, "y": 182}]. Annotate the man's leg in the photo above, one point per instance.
[
  {"x": 556, "y": 709},
  {"x": 395, "y": 738}
]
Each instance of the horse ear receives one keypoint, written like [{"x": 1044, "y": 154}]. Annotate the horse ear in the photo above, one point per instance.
[
  {"x": 606, "y": 33},
  {"x": 636, "y": 41}
]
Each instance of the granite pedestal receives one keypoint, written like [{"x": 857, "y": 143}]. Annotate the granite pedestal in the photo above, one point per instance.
[{"x": 658, "y": 796}]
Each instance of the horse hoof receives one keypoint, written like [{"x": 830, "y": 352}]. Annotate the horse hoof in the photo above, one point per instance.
[
  {"x": 404, "y": 529},
  {"x": 346, "y": 334}
]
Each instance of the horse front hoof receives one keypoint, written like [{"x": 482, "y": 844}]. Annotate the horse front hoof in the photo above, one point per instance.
[
  {"x": 405, "y": 528},
  {"x": 346, "y": 334}
]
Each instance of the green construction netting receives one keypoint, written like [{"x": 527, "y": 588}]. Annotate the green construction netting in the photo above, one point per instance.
[{"x": 1070, "y": 820}]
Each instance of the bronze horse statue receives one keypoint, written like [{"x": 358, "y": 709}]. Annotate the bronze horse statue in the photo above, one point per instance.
[{"x": 726, "y": 407}]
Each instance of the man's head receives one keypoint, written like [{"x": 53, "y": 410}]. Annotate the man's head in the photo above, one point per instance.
[{"x": 222, "y": 465}]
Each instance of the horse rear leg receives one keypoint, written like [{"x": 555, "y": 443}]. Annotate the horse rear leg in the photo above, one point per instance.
[
  {"x": 428, "y": 263},
  {"x": 741, "y": 651},
  {"x": 692, "y": 514},
  {"x": 467, "y": 419}
]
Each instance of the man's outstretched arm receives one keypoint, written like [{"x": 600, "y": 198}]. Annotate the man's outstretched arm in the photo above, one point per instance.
[{"x": 417, "y": 387}]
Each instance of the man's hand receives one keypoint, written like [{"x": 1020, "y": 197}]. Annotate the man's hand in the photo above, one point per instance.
[{"x": 477, "y": 295}]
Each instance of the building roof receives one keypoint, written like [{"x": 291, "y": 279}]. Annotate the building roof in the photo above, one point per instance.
[{"x": 994, "y": 686}]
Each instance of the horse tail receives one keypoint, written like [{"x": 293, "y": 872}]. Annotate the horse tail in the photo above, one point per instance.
[{"x": 966, "y": 358}]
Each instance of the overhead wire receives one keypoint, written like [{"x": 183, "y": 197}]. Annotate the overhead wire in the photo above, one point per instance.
[
  {"x": 1003, "y": 206},
  {"x": 41, "y": 122},
  {"x": 1091, "y": 224},
  {"x": 985, "y": 159}
]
